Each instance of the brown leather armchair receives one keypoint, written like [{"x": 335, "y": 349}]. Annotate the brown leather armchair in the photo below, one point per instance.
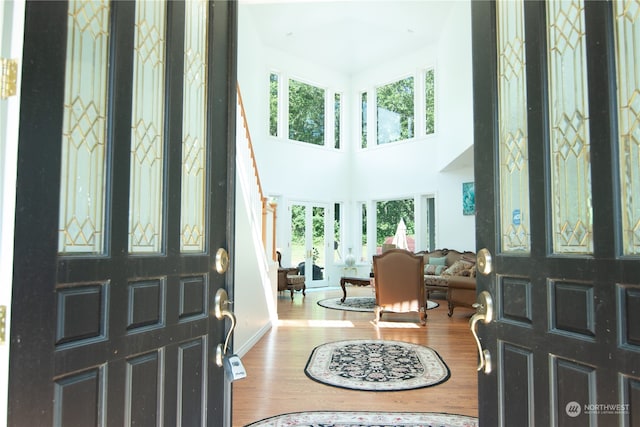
[
  {"x": 461, "y": 292},
  {"x": 289, "y": 278},
  {"x": 399, "y": 283}
]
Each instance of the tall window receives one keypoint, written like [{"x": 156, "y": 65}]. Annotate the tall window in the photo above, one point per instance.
[
  {"x": 306, "y": 112},
  {"x": 363, "y": 234},
  {"x": 337, "y": 115},
  {"x": 363, "y": 120},
  {"x": 338, "y": 247},
  {"x": 273, "y": 104},
  {"x": 430, "y": 102},
  {"x": 395, "y": 111}
]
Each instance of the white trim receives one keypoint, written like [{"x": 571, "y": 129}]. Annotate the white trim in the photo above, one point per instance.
[{"x": 11, "y": 44}]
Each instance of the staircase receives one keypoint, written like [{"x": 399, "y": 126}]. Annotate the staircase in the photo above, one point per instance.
[{"x": 256, "y": 268}]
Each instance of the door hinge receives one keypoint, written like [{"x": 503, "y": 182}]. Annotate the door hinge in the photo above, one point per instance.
[
  {"x": 8, "y": 77},
  {"x": 3, "y": 323}
]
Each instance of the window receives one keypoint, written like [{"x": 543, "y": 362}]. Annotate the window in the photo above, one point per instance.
[
  {"x": 337, "y": 233},
  {"x": 389, "y": 214},
  {"x": 430, "y": 102},
  {"x": 273, "y": 104},
  {"x": 363, "y": 238},
  {"x": 336, "y": 124},
  {"x": 363, "y": 128},
  {"x": 306, "y": 112},
  {"x": 395, "y": 109}
]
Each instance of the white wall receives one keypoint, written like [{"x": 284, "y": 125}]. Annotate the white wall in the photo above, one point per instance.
[{"x": 255, "y": 281}]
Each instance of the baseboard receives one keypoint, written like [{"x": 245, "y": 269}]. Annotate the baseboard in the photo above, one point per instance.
[{"x": 248, "y": 345}]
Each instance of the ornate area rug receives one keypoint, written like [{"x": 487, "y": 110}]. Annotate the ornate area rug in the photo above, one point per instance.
[
  {"x": 376, "y": 365},
  {"x": 358, "y": 304},
  {"x": 367, "y": 419}
]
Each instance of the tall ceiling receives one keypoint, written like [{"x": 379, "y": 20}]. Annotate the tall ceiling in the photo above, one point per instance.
[{"x": 348, "y": 35}]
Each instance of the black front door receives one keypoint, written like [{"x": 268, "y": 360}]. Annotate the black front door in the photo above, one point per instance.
[
  {"x": 124, "y": 196},
  {"x": 557, "y": 161}
]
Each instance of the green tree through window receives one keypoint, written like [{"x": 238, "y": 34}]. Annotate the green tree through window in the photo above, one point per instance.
[
  {"x": 395, "y": 109},
  {"x": 306, "y": 113},
  {"x": 430, "y": 102},
  {"x": 273, "y": 104},
  {"x": 388, "y": 215}
]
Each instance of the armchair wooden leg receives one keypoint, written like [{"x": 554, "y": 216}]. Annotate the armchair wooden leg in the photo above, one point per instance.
[
  {"x": 450, "y": 309},
  {"x": 377, "y": 313}
]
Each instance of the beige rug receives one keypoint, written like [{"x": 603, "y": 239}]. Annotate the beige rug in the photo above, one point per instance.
[
  {"x": 376, "y": 365},
  {"x": 364, "y": 304},
  {"x": 367, "y": 419}
]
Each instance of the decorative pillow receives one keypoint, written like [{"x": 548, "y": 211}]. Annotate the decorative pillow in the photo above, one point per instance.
[
  {"x": 437, "y": 261},
  {"x": 434, "y": 269},
  {"x": 457, "y": 268},
  {"x": 472, "y": 271}
]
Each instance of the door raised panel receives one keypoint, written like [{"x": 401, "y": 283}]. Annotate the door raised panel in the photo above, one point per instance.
[
  {"x": 573, "y": 384},
  {"x": 629, "y": 308},
  {"x": 517, "y": 293},
  {"x": 146, "y": 308},
  {"x": 516, "y": 385},
  {"x": 81, "y": 314},
  {"x": 572, "y": 309},
  {"x": 143, "y": 393}
]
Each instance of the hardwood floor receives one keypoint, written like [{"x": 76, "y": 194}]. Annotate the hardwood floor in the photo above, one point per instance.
[{"x": 276, "y": 382}]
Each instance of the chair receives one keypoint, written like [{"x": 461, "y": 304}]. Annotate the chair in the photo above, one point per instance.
[
  {"x": 289, "y": 279},
  {"x": 399, "y": 283}
]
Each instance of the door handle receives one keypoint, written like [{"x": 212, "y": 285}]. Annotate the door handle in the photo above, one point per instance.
[
  {"x": 484, "y": 312},
  {"x": 221, "y": 310},
  {"x": 233, "y": 367}
]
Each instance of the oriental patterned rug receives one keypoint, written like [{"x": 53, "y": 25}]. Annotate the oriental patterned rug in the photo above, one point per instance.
[
  {"x": 376, "y": 365},
  {"x": 367, "y": 419},
  {"x": 358, "y": 304}
]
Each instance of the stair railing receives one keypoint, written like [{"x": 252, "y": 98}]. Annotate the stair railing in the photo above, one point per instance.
[{"x": 262, "y": 210}]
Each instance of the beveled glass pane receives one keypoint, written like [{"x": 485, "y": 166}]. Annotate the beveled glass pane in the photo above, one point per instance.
[
  {"x": 569, "y": 128},
  {"x": 147, "y": 129},
  {"x": 627, "y": 26},
  {"x": 194, "y": 164},
  {"x": 82, "y": 186},
  {"x": 513, "y": 133},
  {"x": 395, "y": 119}
]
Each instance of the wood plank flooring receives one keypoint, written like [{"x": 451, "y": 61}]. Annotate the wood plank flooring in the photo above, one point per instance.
[{"x": 276, "y": 382}]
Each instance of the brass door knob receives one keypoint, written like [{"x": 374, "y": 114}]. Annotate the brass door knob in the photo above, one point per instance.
[{"x": 484, "y": 261}]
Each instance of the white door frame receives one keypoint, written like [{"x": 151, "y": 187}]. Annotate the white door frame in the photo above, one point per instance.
[{"x": 11, "y": 37}]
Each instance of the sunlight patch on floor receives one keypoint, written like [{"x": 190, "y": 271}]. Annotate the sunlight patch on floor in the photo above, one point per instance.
[
  {"x": 395, "y": 325},
  {"x": 315, "y": 323}
]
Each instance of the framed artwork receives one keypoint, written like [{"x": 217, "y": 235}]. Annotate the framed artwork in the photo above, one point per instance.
[{"x": 468, "y": 199}]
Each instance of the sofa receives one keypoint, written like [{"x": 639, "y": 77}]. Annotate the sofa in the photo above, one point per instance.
[{"x": 452, "y": 273}]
